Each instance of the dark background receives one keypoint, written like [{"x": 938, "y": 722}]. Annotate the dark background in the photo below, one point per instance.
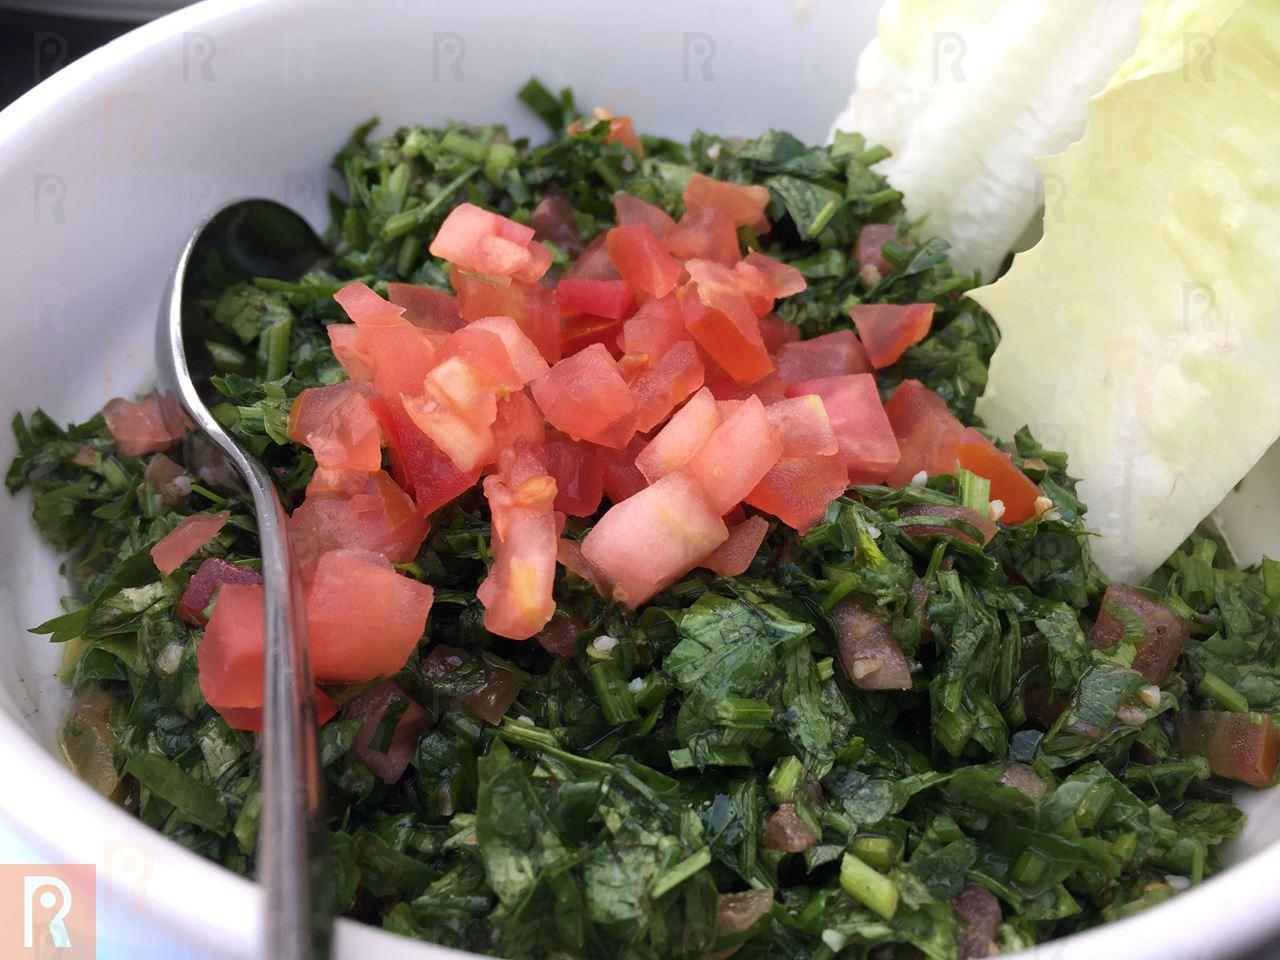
[{"x": 33, "y": 46}]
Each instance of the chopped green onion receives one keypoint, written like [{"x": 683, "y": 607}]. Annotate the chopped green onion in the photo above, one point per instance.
[
  {"x": 870, "y": 888},
  {"x": 738, "y": 713},
  {"x": 681, "y": 872},
  {"x": 1029, "y": 868},
  {"x": 611, "y": 688},
  {"x": 879, "y": 852},
  {"x": 1214, "y": 686},
  {"x": 785, "y": 779}
]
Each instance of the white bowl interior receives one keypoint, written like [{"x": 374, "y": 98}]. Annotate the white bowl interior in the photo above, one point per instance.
[{"x": 109, "y": 165}]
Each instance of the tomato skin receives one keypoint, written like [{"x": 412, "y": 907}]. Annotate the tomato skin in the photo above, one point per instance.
[
  {"x": 366, "y": 308},
  {"x": 1015, "y": 489},
  {"x": 704, "y": 234},
  {"x": 421, "y": 467},
  {"x": 338, "y": 425},
  {"x": 654, "y": 329},
  {"x": 683, "y": 436},
  {"x": 798, "y": 490},
  {"x": 601, "y": 298},
  {"x": 859, "y": 421},
  {"x": 647, "y": 542},
  {"x": 380, "y": 518},
  {"x": 870, "y": 654},
  {"x": 183, "y": 542},
  {"x": 585, "y": 396},
  {"x": 364, "y": 619},
  {"x": 579, "y": 479},
  {"x": 531, "y": 306},
  {"x": 741, "y": 204},
  {"x": 829, "y": 355},
  {"x": 517, "y": 591},
  {"x": 149, "y": 426},
  {"x": 212, "y": 573},
  {"x": 734, "y": 556},
  {"x": 888, "y": 329},
  {"x": 867, "y": 251},
  {"x": 426, "y": 307},
  {"x": 721, "y": 321},
  {"x": 622, "y": 478},
  {"x": 736, "y": 457},
  {"x": 630, "y": 210},
  {"x": 666, "y": 384},
  {"x": 926, "y": 431},
  {"x": 642, "y": 261},
  {"x": 554, "y": 221}
]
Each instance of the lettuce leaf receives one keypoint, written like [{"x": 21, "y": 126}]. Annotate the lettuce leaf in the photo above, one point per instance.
[
  {"x": 968, "y": 93},
  {"x": 1141, "y": 334}
]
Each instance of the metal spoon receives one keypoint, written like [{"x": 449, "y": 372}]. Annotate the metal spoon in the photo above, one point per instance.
[{"x": 246, "y": 239}]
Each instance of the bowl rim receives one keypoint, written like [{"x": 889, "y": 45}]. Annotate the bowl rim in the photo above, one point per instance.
[{"x": 1231, "y": 912}]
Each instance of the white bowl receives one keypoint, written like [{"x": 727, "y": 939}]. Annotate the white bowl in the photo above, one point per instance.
[{"x": 107, "y": 166}]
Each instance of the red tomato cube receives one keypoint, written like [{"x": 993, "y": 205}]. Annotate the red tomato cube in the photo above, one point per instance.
[
  {"x": 675, "y": 444},
  {"x": 736, "y": 456},
  {"x": 426, "y": 307},
  {"x": 654, "y": 329},
  {"x": 421, "y": 467},
  {"x": 554, "y": 221},
  {"x": 764, "y": 280},
  {"x": 1163, "y": 636},
  {"x": 621, "y": 477},
  {"x": 380, "y": 518},
  {"x": 531, "y": 306},
  {"x": 798, "y": 490},
  {"x": 742, "y": 204},
  {"x": 1240, "y": 746},
  {"x": 776, "y": 332},
  {"x": 183, "y": 542},
  {"x": 149, "y": 426},
  {"x": 388, "y": 763},
  {"x": 1009, "y": 485},
  {"x": 804, "y": 426},
  {"x": 517, "y": 592},
  {"x": 644, "y": 544},
  {"x": 734, "y": 556},
  {"x": 859, "y": 422},
  {"x": 482, "y": 242},
  {"x": 667, "y": 383},
  {"x": 391, "y": 358},
  {"x": 872, "y": 266},
  {"x": 363, "y": 618},
  {"x": 338, "y": 425},
  {"x": 887, "y": 329},
  {"x": 705, "y": 234},
  {"x": 585, "y": 329},
  {"x": 642, "y": 260},
  {"x": 518, "y": 421},
  {"x": 579, "y": 479},
  {"x": 718, "y": 316},
  {"x": 926, "y": 430},
  {"x": 601, "y": 298},
  {"x": 630, "y": 210},
  {"x": 585, "y": 396},
  {"x": 522, "y": 352},
  {"x": 829, "y": 355},
  {"x": 366, "y": 308},
  {"x": 456, "y": 410},
  {"x": 212, "y": 573},
  {"x": 594, "y": 263}
]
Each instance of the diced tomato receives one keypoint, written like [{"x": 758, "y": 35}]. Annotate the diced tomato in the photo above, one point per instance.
[
  {"x": 585, "y": 396},
  {"x": 736, "y": 457},
  {"x": 804, "y": 426},
  {"x": 866, "y": 251},
  {"x": 582, "y": 331},
  {"x": 859, "y": 422},
  {"x": 724, "y": 387},
  {"x": 336, "y": 483},
  {"x": 600, "y": 298},
  {"x": 457, "y": 410},
  {"x": 743, "y": 205},
  {"x": 560, "y": 636},
  {"x": 675, "y": 444},
  {"x": 579, "y": 480},
  {"x": 380, "y": 519},
  {"x": 630, "y": 210},
  {"x": 212, "y": 573},
  {"x": 926, "y": 431},
  {"x": 623, "y": 131},
  {"x": 420, "y": 466},
  {"x": 887, "y": 329},
  {"x": 387, "y": 763},
  {"x": 642, "y": 260},
  {"x": 654, "y": 329},
  {"x": 569, "y": 555},
  {"x": 183, "y": 542},
  {"x": 555, "y": 222},
  {"x": 486, "y": 355},
  {"x": 391, "y": 358},
  {"x": 644, "y": 544},
  {"x": 594, "y": 263},
  {"x": 1010, "y": 485},
  {"x": 776, "y": 332},
  {"x": 493, "y": 698},
  {"x": 540, "y": 259},
  {"x": 229, "y": 660},
  {"x": 166, "y": 480},
  {"x": 704, "y": 234},
  {"x": 1240, "y": 746},
  {"x": 338, "y": 425},
  {"x": 870, "y": 654},
  {"x": 518, "y": 421},
  {"x": 517, "y": 592},
  {"x": 764, "y": 280},
  {"x": 734, "y": 556},
  {"x": 531, "y": 306},
  {"x": 363, "y": 618},
  {"x": 1164, "y": 633},
  {"x": 798, "y": 490},
  {"x": 659, "y": 389},
  {"x": 366, "y": 308},
  {"x": 149, "y": 426},
  {"x": 483, "y": 242},
  {"x": 829, "y": 355},
  {"x": 523, "y": 353},
  {"x": 622, "y": 478},
  {"x": 718, "y": 316},
  {"x": 426, "y": 307}
]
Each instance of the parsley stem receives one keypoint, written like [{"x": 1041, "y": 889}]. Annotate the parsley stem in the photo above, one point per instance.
[
  {"x": 681, "y": 872},
  {"x": 611, "y": 688},
  {"x": 784, "y": 779},
  {"x": 879, "y": 852},
  {"x": 869, "y": 887},
  {"x": 740, "y": 713},
  {"x": 1214, "y": 686},
  {"x": 397, "y": 225}
]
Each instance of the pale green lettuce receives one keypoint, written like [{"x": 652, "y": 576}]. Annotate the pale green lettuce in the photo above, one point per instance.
[{"x": 1142, "y": 333}]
